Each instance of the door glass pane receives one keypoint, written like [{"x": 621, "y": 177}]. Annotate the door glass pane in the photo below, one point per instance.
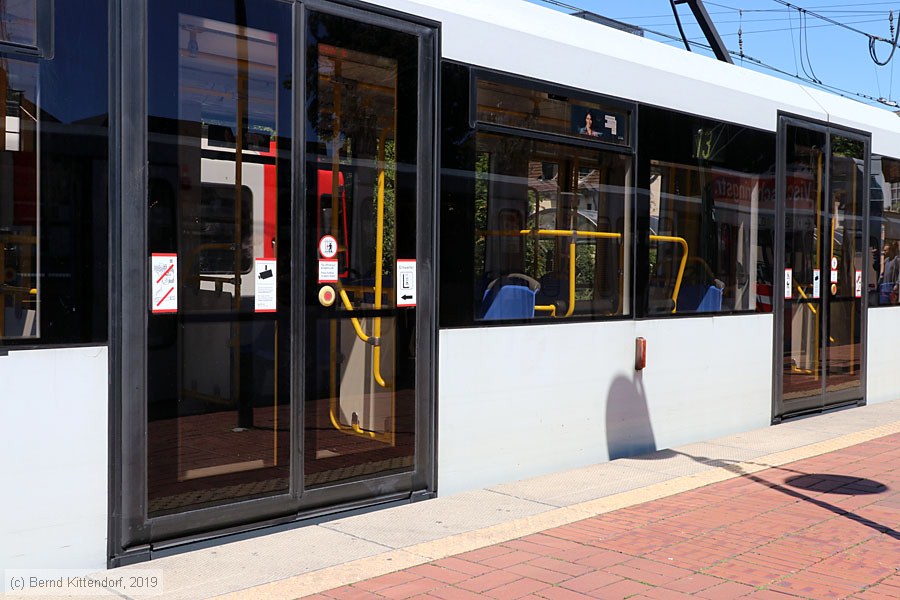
[
  {"x": 219, "y": 177},
  {"x": 361, "y": 230},
  {"x": 848, "y": 254},
  {"x": 803, "y": 280}
]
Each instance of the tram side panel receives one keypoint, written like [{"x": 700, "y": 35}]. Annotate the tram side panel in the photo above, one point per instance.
[{"x": 534, "y": 400}]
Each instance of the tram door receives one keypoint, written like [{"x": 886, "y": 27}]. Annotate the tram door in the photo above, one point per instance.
[
  {"x": 821, "y": 322},
  {"x": 364, "y": 208},
  {"x": 290, "y": 321}
]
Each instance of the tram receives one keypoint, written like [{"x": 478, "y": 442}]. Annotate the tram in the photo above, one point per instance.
[{"x": 284, "y": 260}]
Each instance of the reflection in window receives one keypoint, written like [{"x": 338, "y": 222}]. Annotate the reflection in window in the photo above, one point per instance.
[
  {"x": 19, "y": 207},
  {"x": 551, "y": 227},
  {"x": 884, "y": 232},
  {"x": 711, "y": 193},
  {"x": 18, "y": 22},
  {"x": 539, "y": 110},
  {"x": 215, "y": 230},
  {"x": 218, "y": 411}
]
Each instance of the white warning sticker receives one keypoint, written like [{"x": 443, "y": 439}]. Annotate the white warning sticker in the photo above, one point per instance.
[
  {"x": 328, "y": 270},
  {"x": 406, "y": 282},
  {"x": 164, "y": 283},
  {"x": 266, "y": 289}
]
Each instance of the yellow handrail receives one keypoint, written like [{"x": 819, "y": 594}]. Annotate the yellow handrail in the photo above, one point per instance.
[
  {"x": 550, "y": 308},
  {"x": 574, "y": 233},
  {"x": 356, "y": 326},
  {"x": 568, "y": 232},
  {"x": 811, "y": 308},
  {"x": 379, "y": 259},
  {"x": 684, "y": 258}
]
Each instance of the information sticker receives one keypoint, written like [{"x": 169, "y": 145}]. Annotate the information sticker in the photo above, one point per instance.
[
  {"x": 328, "y": 270},
  {"x": 164, "y": 283},
  {"x": 788, "y": 284},
  {"x": 406, "y": 282},
  {"x": 858, "y": 283},
  {"x": 817, "y": 283},
  {"x": 265, "y": 285}
]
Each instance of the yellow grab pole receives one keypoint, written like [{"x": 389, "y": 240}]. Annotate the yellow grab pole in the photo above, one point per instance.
[
  {"x": 379, "y": 266},
  {"x": 684, "y": 258},
  {"x": 571, "y": 307},
  {"x": 353, "y": 320}
]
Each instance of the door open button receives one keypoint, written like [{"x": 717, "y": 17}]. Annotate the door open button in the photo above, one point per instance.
[{"x": 326, "y": 295}]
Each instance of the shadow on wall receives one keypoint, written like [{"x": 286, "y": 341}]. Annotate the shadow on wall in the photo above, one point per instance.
[{"x": 628, "y": 428}]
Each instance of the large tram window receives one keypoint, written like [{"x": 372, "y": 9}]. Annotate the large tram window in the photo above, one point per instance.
[
  {"x": 711, "y": 191},
  {"x": 19, "y": 206},
  {"x": 884, "y": 232},
  {"x": 551, "y": 230},
  {"x": 53, "y": 171}
]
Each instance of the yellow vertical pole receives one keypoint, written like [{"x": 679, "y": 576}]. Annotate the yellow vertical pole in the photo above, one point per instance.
[{"x": 379, "y": 259}]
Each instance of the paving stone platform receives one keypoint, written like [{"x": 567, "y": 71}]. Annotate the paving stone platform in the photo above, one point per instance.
[{"x": 809, "y": 508}]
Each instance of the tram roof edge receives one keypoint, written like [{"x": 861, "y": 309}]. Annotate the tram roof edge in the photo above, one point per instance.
[{"x": 523, "y": 38}]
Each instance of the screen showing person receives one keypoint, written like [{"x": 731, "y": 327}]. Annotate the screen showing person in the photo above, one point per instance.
[{"x": 588, "y": 126}]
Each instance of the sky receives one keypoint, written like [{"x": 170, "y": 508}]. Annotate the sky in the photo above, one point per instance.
[{"x": 809, "y": 39}]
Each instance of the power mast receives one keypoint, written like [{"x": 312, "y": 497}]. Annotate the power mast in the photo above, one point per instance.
[{"x": 706, "y": 25}]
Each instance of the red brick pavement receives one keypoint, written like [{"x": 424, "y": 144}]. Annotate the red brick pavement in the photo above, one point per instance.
[{"x": 832, "y": 534}]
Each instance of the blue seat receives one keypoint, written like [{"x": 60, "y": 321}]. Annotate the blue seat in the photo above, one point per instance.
[
  {"x": 510, "y": 302},
  {"x": 712, "y": 300}
]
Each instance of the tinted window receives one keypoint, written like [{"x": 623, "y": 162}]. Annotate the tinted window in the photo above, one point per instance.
[
  {"x": 884, "y": 231},
  {"x": 534, "y": 229},
  {"x": 53, "y": 168},
  {"x": 708, "y": 189}
]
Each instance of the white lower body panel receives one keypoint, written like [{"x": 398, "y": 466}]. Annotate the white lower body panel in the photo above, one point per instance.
[
  {"x": 54, "y": 428},
  {"x": 517, "y": 402}
]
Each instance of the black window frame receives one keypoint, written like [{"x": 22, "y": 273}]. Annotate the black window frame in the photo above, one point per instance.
[
  {"x": 457, "y": 274},
  {"x": 641, "y": 219}
]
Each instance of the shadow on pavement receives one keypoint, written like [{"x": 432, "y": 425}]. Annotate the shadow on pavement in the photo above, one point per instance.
[{"x": 819, "y": 482}]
